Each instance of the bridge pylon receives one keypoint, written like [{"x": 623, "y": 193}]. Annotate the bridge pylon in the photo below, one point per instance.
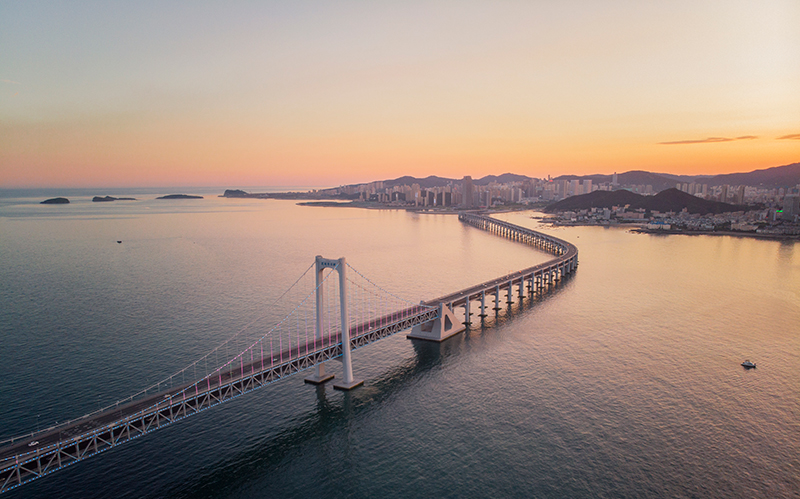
[{"x": 320, "y": 376}]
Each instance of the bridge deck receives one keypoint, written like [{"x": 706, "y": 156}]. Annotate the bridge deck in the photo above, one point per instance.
[
  {"x": 459, "y": 297},
  {"x": 566, "y": 252},
  {"x": 95, "y": 433}
]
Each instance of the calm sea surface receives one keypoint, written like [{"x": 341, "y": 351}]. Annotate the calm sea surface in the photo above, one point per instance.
[{"x": 623, "y": 382}]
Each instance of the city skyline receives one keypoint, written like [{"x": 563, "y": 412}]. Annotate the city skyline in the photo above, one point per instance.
[{"x": 330, "y": 94}]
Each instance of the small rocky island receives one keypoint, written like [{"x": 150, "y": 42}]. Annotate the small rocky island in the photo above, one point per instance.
[
  {"x": 55, "y": 201},
  {"x": 236, "y": 193},
  {"x": 180, "y": 196},
  {"x": 98, "y": 199}
]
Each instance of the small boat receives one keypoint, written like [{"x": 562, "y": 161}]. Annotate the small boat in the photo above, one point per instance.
[{"x": 748, "y": 364}]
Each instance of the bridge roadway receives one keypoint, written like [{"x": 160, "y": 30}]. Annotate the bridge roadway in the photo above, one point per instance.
[
  {"x": 536, "y": 276},
  {"x": 66, "y": 444},
  {"x": 72, "y": 442}
]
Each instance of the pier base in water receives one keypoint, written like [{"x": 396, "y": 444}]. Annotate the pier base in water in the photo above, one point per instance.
[
  {"x": 348, "y": 386},
  {"x": 319, "y": 377}
]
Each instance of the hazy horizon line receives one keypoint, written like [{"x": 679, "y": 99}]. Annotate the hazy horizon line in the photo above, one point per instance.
[{"x": 295, "y": 186}]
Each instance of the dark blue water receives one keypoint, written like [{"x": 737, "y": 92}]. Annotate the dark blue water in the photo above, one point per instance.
[{"x": 623, "y": 382}]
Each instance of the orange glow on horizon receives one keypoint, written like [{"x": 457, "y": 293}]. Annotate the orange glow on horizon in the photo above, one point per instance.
[
  {"x": 242, "y": 157},
  {"x": 279, "y": 97}
]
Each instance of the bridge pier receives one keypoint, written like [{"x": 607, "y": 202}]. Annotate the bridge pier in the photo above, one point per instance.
[
  {"x": 443, "y": 327},
  {"x": 483, "y": 304},
  {"x": 497, "y": 298},
  {"x": 510, "y": 293},
  {"x": 467, "y": 322}
]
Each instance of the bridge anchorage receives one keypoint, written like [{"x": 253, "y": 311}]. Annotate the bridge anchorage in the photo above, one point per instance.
[{"x": 367, "y": 313}]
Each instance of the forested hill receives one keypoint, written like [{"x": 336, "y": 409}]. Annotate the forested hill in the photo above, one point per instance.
[{"x": 664, "y": 201}]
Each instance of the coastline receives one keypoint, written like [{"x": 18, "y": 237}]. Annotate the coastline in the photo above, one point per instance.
[
  {"x": 413, "y": 209},
  {"x": 755, "y": 235}
]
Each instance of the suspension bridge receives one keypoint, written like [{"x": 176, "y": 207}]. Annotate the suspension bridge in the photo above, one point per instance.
[{"x": 305, "y": 339}]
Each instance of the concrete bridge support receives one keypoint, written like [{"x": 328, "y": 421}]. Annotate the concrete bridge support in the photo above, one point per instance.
[{"x": 445, "y": 326}]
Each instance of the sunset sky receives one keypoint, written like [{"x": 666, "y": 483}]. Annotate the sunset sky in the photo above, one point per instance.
[{"x": 326, "y": 93}]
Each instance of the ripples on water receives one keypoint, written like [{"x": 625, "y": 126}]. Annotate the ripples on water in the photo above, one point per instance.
[{"x": 624, "y": 382}]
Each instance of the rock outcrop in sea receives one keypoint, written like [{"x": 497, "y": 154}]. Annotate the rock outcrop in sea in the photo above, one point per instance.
[
  {"x": 180, "y": 196},
  {"x": 98, "y": 199}
]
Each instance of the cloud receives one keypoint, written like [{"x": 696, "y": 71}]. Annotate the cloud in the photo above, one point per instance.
[
  {"x": 697, "y": 141},
  {"x": 793, "y": 136},
  {"x": 709, "y": 140},
  {"x": 12, "y": 82}
]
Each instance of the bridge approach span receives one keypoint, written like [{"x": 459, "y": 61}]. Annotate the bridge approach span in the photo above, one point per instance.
[{"x": 533, "y": 278}]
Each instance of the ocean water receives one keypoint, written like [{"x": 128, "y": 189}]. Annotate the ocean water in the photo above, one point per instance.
[{"x": 622, "y": 382}]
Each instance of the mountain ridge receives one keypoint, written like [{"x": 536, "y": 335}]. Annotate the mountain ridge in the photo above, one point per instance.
[{"x": 773, "y": 177}]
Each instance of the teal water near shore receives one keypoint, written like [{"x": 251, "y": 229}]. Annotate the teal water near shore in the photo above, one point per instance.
[{"x": 623, "y": 382}]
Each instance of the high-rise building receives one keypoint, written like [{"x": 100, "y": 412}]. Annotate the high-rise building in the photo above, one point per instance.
[
  {"x": 740, "y": 195},
  {"x": 469, "y": 192},
  {"x": 723, "y": 194},
  {"x": 574, "y": 188},
  {"x": 791, "y": 207}
]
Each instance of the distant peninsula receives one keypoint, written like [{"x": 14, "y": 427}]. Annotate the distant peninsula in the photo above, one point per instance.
[
  {"x": 238, "y": 193},
  {"x": 98, "y": 199},
  {"x": 55, "y": 201},
  {"x": 180, "y": 196}
]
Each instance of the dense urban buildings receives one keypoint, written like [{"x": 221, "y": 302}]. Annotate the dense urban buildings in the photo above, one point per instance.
[
  {"x": 765, "y": 209},
  {"x": 468, "y": 193}
]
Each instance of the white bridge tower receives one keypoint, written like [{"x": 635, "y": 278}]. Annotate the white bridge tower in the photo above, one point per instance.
[{"x": 319, "y": 375}]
